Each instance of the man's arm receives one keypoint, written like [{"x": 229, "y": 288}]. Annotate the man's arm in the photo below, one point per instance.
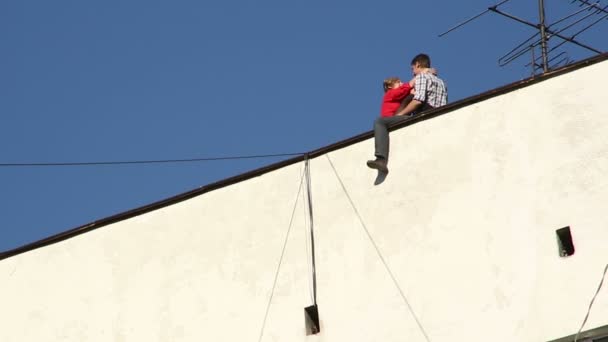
[
  {"x": 410, "y": 108},
  {"x": 419, "y": 96},
  {"x": 398, "y": 94}
]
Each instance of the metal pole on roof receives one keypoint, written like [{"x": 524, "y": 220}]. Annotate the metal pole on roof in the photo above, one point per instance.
[{"x": 543, "y": 35}]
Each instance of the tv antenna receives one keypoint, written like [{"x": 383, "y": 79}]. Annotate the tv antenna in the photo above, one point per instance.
[{"x": 595, "y": 13}]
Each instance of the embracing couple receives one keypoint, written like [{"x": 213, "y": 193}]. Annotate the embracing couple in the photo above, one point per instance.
[{"x": 402, "y": 100}]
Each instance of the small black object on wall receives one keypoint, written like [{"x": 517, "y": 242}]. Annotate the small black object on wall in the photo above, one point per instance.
[
  {"x": 564, "y": 242},
  {"x": 311, "y": 316}
]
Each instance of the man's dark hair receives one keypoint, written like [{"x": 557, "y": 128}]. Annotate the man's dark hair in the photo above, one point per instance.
[{"x": 423, "y": 60}]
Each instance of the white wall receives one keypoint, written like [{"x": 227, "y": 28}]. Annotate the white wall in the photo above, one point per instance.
[{"x": 465, "y": 220}]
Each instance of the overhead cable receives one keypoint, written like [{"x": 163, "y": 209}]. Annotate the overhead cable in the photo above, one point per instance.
[{"x": 157, "y": 161}]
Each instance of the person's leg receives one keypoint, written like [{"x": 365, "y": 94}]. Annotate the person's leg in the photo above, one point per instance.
[
  {"x": 381, "y": 141},
  {"x": 425, "y": 106},
  {"x": 381, "y": 137}
]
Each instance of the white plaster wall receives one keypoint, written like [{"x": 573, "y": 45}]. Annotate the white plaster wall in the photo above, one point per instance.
[{"x": 465, "y": 221}]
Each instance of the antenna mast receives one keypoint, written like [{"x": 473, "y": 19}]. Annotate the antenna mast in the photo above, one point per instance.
[
  {"x": 545, "y": 32},
  {"x": 543, "y": 35}
]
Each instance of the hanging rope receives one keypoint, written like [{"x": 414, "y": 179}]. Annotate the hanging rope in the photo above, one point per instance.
[
  {"x": 312, "y": 233},
  {"x": 276, "y": 276},
  {"x": 307, "y": 248},
  {"x": 407, "y": 303}
]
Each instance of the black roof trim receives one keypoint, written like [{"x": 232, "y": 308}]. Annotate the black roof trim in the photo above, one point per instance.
[{"x": 312, "y": 154}]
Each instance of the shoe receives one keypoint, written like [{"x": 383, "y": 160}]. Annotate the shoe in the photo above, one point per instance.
[{"x": 378, "y": 164}]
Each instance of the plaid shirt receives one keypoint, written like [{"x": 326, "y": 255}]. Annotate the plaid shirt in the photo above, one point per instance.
[{"x": 431, "y": 90}]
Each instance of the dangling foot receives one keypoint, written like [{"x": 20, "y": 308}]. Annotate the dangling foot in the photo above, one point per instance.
[{"x": 378, "y": 164}]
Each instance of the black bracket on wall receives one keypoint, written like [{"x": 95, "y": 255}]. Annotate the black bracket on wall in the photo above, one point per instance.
[
  {"x": 564, "y": 242},
  {"x": 311, "y": 316}
]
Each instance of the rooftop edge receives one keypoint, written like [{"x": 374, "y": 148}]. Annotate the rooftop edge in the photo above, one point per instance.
[{"x": 310, "y": 155}]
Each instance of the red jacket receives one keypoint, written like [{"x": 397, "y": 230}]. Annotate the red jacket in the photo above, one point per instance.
[{"x": 392, "y": 99}]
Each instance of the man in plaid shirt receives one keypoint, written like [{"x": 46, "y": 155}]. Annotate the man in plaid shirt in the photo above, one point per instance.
[{"x": 431, "y": 92}]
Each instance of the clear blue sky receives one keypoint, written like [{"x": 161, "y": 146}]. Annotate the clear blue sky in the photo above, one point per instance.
[{"x": 137, "y": 80}]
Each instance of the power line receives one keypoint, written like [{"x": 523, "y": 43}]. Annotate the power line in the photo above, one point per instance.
[{"x": 157, "y": 161}]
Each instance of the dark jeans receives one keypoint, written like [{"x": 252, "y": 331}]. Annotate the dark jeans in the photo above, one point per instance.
[
  {"x": 381, "y": 124},
  {"x": 381, "y": 134}
]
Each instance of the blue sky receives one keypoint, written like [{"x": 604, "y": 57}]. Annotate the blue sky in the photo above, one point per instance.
[{"x": 138, "y": 80}]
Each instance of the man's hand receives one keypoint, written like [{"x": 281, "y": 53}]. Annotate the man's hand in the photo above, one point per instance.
[{"x": 410, "y": 108}]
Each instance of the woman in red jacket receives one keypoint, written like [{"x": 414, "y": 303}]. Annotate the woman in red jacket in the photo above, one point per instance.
[{"x": 394, "y": 93}]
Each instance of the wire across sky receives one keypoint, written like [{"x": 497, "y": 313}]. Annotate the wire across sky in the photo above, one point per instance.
[{"x": 156, "y": 161}]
